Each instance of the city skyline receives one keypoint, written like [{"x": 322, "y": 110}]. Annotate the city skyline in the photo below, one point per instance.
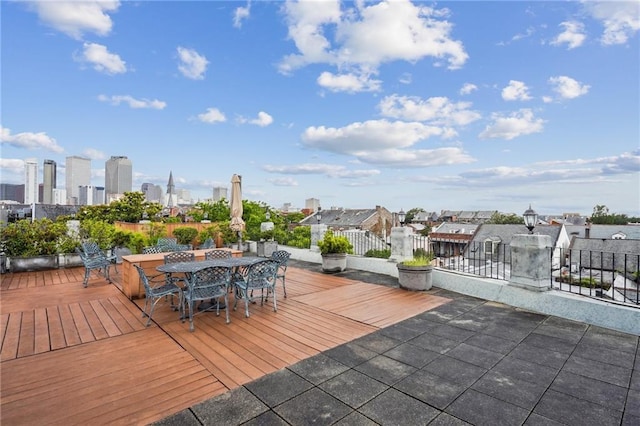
[{"x": 450, "y": 105}]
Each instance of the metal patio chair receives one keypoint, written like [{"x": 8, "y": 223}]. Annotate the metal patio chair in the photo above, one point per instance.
[
  {"x": 176, "y": 257},
  {"x": 282, "y": 257},
  {"x": 260, "y": 276},
  {"x": 217, "y": 254},
  {"x": 206, "y": 284},
  {"x": 156, "y": 290},
  {"x": 93, "y": 258}
]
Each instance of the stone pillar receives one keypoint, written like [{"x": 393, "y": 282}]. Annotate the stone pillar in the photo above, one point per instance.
[
  {"x": 531, "y": 262},
  {"x": 401, "y": 244},
  {"x": 317, "y": 233}
]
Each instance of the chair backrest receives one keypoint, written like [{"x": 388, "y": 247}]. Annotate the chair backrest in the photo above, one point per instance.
[
  {"x": 212, "y": 276},
  {"x": 151, "y": 249},
  {"x": 144, "y": 279},
  {"x": 262, "y": 274},
  {"x": 91, "y": 248},
  {"x": 282, "y": 256},
  {"x": 217, "y": 254},
  {"x": 167, "y": 241},
  {"x": 208, "y": 243},
  {"x": 179, "y": 256}
]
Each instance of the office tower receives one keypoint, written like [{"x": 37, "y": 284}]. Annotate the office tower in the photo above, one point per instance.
[
  {"x": 77, "y": 174},
  {"x": 311, "y": 204},
  {"x": 59, "y": 196},
  {"x": 183, "y": 196},
  {"x": 48, "y": 181},
  {"x": 90, "y": 195},
  {"x": 152, "y": 193},
  {"x": 30, "y": 181},
  {"x": 118, "y": 177},
  {"x": 219, "y": 193},
  {"x": 12, "y": 192}
]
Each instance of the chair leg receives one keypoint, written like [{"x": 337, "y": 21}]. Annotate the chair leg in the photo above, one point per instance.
[
  {"x": 87, "y": 272},
  {"x": 275, "y": 306}
]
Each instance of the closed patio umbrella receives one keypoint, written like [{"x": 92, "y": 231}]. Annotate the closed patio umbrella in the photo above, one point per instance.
[{"x": 237, "y": 224}]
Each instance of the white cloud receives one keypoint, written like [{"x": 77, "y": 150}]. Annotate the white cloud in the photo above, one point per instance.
[
  {"x": 102, "y": 60},
  {"x": 384, "y": 143},
  {"x": 75, "y": 18},
  {"x": 12, "y": 166},
  {"x": 519, "y": 123},
  {"x": 240, "y": 14},
  {"x": 133, "y": 102},
  {"x": 368, "y": 35},
  {"x": 94, "y": 154},
  {"x": 283, "y": 181},
  {"x": 30, "y": 141},
  {"x": 567, "y": 87},
  {"x": 213, "y": 115},
  {"x": 516, "y": 91},
  {"x": 467, "y": 88},
  {"x": 621, "y": 20},
  {"x": 573, "y": 35},
  {"x": 192, "y": 64},
  {"x": 263, "y": 119},
  {"x": 406, "y": 78},
  {"x": 350, "y": 83},
  {"x": 329, "y": 170},
  {"x": 436, "y": 110}
]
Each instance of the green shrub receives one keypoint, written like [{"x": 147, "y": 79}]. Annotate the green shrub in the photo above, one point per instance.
[
  {"x": 332, "y": 243},
  {"x": 25, "y": 238},
  {"x": 185, "y": 235},
  {"x": 100, "y": 231},
  {"x": 380, "y": 254}
]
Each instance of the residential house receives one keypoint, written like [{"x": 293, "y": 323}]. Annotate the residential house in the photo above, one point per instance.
[
  {"x": 450, "y": 239},
  {"x": 378, "y": 221},
  {"x": 492, "y": 242}
]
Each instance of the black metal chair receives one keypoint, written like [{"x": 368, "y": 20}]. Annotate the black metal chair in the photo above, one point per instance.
[
  {"x": 155, "y": 290},
  {"x": 176, "y": 257},
  {"x": 282, "y": 257},
  {"x": 260, "y": 276},
  {"x": 210, "y": 283},
  {"x": 93, "y": 258}
]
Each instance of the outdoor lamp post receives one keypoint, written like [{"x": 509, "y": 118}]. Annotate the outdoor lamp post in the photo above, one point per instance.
[
  {"x": 401, "y": 217},
  {"x": 530, "y": 219},
  {"x": 267, "y": 216},
  {"x": 318, "y": 215}
]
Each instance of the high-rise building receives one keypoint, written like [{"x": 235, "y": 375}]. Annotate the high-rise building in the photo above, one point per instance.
[
  {"x": 48, "y": 181},
  {"x": 118, "y": 177},
  {"x": 12, "y": 192},
  {"x": 77, "y": 174},
  {"x": 30, "y": 181},
  {"x": 91, "y": 195},
  {"x": 59, "y": 196},
  {"x": 219, "y": 193},
  {"x": 152, "y": 192}
]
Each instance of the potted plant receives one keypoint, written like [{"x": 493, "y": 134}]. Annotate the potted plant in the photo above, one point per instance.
[
  {"x": 416, "y": 273},
  {"x": 32, "y": 246},
  {"x": 334, "y": 250}
]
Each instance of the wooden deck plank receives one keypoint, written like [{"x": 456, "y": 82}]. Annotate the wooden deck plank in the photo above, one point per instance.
[
  {"x": 42, "y": 343},
  {"x": 82, "y": 324},
  {"x": 11, "y": 337},
  {"x": 27, "y": 334},
  {"x": 71, "y": 335}
]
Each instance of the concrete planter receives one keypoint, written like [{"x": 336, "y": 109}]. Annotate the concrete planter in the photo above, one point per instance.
[
  {"x": 334, "y": 262},
  {"x": 266, "y": 248},
  {"x": 34, "y": 263},
  {"x": 69, "y": 260},
  {"x": 415, "y": 278}
]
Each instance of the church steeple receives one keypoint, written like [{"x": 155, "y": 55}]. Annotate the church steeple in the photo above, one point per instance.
[{"x": 171, "y": 192}]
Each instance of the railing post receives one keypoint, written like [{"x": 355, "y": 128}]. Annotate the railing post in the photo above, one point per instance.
[
  {"x": 317, "y": 233},
  {"x": 531, "y": 262},
  {"x": 401, "y": 244}
]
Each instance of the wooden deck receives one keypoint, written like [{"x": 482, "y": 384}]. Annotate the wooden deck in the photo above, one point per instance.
[{"x": 74, "y": 355}]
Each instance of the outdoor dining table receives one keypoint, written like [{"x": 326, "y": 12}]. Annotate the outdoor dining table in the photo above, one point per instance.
[{"x": 188, "y": 268}]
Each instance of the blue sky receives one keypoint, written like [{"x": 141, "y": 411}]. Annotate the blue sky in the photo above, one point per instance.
[{"x": 439, "y": 105}]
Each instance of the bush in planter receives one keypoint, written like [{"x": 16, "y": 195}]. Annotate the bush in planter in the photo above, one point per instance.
[
  {"x": 185, "y": 235},
  {"x": 415, "y": 273},
  {"x": 27, "y": 239},
  {"x": 334, "y": 244}
]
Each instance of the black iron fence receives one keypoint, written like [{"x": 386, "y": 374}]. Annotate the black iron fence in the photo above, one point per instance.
[
  {"x": 489, "y": 259},
  {"x": 614, "y": 277}
]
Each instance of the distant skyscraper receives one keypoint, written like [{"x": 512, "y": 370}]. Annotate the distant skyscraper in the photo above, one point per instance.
[
  {"x": 118, "y": 177},
  {"x": 152, "y": 193},
  {"x": 219, "y": 193},
  {"x": 77, "y": 174},
  {"x": 91, "y": 195},
  {"x": 12, "y": 192},
  {"x": 59, "y": 196},
  {"x": 311, "y": 204},
  {"x": 30, "y": 181},
  {"x": 48, "y": 181}
]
